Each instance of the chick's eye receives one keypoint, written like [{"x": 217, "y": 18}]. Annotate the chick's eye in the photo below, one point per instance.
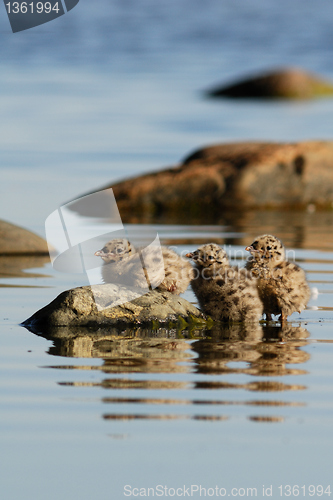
[
  {"x": 269, "y": 248},
  {"x": 210, "y": 257}
]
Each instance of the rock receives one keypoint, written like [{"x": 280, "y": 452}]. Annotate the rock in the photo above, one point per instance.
[
  {"x": 236, "y": 175},
  {"x": 105, "y": 305},
  {"x": 289, "y": 83},
  {"x": 15, "y": 240}
]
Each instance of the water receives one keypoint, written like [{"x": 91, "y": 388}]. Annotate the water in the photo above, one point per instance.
[
  {"x": 233, "y": 408},
  {"x": 111, "y": 90}
]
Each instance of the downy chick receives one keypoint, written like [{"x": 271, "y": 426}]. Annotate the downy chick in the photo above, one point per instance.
[
  {"x": 150, "y": 267},
  {"x": 283, "y": 288},
  {"x": 225, "y": 293}
]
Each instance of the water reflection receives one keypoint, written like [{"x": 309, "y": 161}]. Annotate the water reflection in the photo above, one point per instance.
[
  {"x": 129, "y": 351},
  {"x": 217, "y": 369},
  {"x": 15, "y": 266},
  {"x": 265, "y": 350},
  {"x": 297, "y": 228}
]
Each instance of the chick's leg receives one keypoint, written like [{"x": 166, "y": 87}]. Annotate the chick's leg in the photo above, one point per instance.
[{"x": 283, "y": 317}]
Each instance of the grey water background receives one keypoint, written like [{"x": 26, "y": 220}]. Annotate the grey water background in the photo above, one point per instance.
[{"x": 110, "y": 90}]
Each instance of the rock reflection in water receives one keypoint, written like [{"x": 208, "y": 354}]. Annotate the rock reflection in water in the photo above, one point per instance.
[
  {"x": 297, "y": 228},
  {"x": 261, "y": 351},
  {"x": 306, "y": 229},
  {"x": 14, "y": 266},
  {"x": 128, "y": 351}
]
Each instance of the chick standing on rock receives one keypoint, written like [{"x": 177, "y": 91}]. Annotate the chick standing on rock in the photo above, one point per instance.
[
  {"x": 122, "y": 264},
  {"x": 283, "y": 287},
  {"x": 225, "y": 293},
  {"x": 150, "y": 267}
]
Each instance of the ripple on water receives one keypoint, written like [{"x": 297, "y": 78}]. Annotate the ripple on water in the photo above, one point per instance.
[{"x": 200, "y": 374}]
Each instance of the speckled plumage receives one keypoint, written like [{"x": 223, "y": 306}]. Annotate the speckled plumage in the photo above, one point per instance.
[
  {"x": 151, "y": 267},
  {"x": 283, "y": 287},
  {"x": 225, "y": 293}
]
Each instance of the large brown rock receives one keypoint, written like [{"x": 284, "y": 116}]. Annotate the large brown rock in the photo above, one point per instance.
[
  {"x": 15, "y": 240},
  {"x": 286, "y": 83},
  {"x": 236, "y": 175},
  {"x": 99, "y": 305}
]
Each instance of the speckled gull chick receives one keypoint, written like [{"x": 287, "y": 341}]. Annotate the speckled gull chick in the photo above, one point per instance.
[
  {"x": 150, "y": 267},
  {"x": 225, "y": 293},
  {"x": 283, "y": 288}
]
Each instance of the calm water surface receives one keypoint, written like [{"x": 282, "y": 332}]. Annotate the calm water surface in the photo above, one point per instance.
[
  {"x": 113, "y": 89},
  {"x": 240, "y": 407}
]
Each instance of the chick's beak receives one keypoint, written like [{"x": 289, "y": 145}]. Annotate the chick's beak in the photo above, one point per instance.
[
  {"x": 189, "y": 255},
  {"x": 251, "y": 249},
  {"x": 105, "y": 255}
]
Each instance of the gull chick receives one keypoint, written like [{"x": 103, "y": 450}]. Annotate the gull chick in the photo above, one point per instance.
[
  {"x": 283, "y": 287},
  {"x": 150, "y": 267},
  {"x": 224, "y": 292}
]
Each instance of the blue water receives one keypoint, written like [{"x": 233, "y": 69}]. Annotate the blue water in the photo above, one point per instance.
[
  {"x": 110, "y": 90},
  {"x": 115, "y": 88}
]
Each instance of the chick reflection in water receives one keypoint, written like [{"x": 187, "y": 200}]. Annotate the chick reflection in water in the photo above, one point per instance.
[{"x": 265, "y": 350}]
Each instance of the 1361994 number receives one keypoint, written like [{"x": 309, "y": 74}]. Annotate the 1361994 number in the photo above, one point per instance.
[
  {"x": 309, "y": 491},
  {"x": 30, "y": 8}
]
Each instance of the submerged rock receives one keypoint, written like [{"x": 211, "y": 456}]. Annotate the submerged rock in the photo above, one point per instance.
[
  {"x": 113, "y": 305},
  {"x": 286, "y": 83},
  {"x": 235, "y": 175},
  {"x": 15, "y": 240}
]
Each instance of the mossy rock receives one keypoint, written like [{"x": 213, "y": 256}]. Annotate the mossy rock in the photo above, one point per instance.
[{"x": 102, "y": 305}]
